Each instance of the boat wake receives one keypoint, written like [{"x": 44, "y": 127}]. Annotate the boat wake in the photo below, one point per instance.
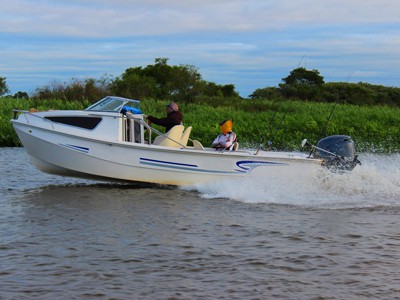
[{"x": 375, "y": 183}]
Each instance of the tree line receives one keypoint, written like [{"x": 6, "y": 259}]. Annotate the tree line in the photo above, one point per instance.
[
  {"x": 157, "y": 81},
  {"x": 184, "y": 83},
  {"x": 309, "y": 85}
]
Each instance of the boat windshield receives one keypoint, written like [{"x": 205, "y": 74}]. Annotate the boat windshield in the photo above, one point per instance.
[{"x": 113, "y": 104}]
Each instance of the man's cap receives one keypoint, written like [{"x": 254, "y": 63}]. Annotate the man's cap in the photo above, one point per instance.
[{"x": 173, "y": 106}]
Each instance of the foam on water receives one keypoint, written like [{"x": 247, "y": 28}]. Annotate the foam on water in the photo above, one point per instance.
[{"x": 375, "y": 183}]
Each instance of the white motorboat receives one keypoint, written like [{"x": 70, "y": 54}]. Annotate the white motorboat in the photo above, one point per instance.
[{"x": 110, "y": 140}]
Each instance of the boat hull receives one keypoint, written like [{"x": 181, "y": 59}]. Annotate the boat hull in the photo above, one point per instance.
[{"x": 78, "y": 156}]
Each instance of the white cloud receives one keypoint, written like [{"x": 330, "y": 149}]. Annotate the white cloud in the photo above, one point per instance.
[
  {"x": 138, "y": 18},
  {"x": 250, "y": 43}
]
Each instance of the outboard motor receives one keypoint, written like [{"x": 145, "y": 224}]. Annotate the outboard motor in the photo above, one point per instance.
[{"x": 338, "y": 151}]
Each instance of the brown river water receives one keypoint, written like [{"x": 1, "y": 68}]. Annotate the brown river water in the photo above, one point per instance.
[{"x": 330, "y": 237}]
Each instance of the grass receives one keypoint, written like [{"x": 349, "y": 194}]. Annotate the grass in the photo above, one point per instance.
[{"x": 285, "y": 123}]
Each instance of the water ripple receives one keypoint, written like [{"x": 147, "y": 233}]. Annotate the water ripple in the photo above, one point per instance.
[{"x": 68, "y": 239}]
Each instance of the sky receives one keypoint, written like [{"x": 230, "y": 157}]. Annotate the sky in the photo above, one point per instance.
[{"x": 249, "y": 43}]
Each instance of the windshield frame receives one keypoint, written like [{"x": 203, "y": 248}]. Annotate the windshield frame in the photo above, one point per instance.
[{"x": 113, "y": 104}]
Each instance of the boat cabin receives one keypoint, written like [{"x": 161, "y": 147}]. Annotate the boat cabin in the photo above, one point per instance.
[
  {"x": 132, "y": 126},
  {"x": 113, "y": 119},
  {"x": 131, "y": 123}
]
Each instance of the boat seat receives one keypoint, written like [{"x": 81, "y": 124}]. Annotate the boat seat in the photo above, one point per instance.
[
  {"x": 170, "y": 139},
  {"x": 185, "y": 136},
  {"x": 197, "y": 145}
]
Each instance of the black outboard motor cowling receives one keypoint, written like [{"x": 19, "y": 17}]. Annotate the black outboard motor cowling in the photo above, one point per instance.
[
  {"x": 339, "y": 152},
  {"x": 341, "y": 145}
]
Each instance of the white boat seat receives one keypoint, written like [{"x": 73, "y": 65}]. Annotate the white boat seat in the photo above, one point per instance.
[
  {"x": 170, "y": 139},
  {"x": 197, "y": 145},
  {"x": 185, "y": 136}
]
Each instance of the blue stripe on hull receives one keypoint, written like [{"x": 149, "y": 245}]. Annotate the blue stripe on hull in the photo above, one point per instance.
[
  {"x": 179, "y": 166},
  {"x": 246, "y": 166},
  {"x": 77, "y": 148}
]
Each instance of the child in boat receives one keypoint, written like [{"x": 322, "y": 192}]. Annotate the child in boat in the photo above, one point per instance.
[{"x": 227, "y": 138}]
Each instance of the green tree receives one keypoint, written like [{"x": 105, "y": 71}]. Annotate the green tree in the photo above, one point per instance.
[
  {"x": 228, "y": 90},
  {"x": 161, "y": 74},
  {"x": 174, "y": 82},
  {"x": 211, "y": 89},
  {"x": 3, "y": 86},
  {"x": 266, "y": 93},
  {"x": 302, "y": 84},
  {"x": 159, "y": 80},
  {"x": 302, "y": 76},
  {"x": 134, "y": 85},
  {"x": 185, "y": 83},
  {"x": 181, "y": 83},
  {"x": 77, "y": 89},
  {"x": 21, "y": 95}
]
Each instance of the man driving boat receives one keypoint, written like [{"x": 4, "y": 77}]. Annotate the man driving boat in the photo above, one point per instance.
[{"x": 174, "y": 117}]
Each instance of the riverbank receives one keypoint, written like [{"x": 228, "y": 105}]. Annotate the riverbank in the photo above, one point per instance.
[{"x": 285, "y": 123}]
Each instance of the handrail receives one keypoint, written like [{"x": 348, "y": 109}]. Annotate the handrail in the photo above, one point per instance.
[
  {"x": 110, "y": 116},
  {"x": 16, "y": 111},
  {"x": 159, "y": 133},
  {"x": 151, "y": 129},
  {"x": 25, "y": 112}
]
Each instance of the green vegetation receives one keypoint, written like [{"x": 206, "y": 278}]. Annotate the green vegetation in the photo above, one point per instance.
[
  {"x": 301, "y": 106},
  {"x": 3, "y": 86},
  {"x": 306, "y": 85},
  {"x": 286, "y": 123},
  {"x": 184, "y": 83},
  {"x": 158, "y": 81}
]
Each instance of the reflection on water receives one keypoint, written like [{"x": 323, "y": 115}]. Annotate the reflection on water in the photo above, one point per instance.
[{"x": 72, "y": 239}]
